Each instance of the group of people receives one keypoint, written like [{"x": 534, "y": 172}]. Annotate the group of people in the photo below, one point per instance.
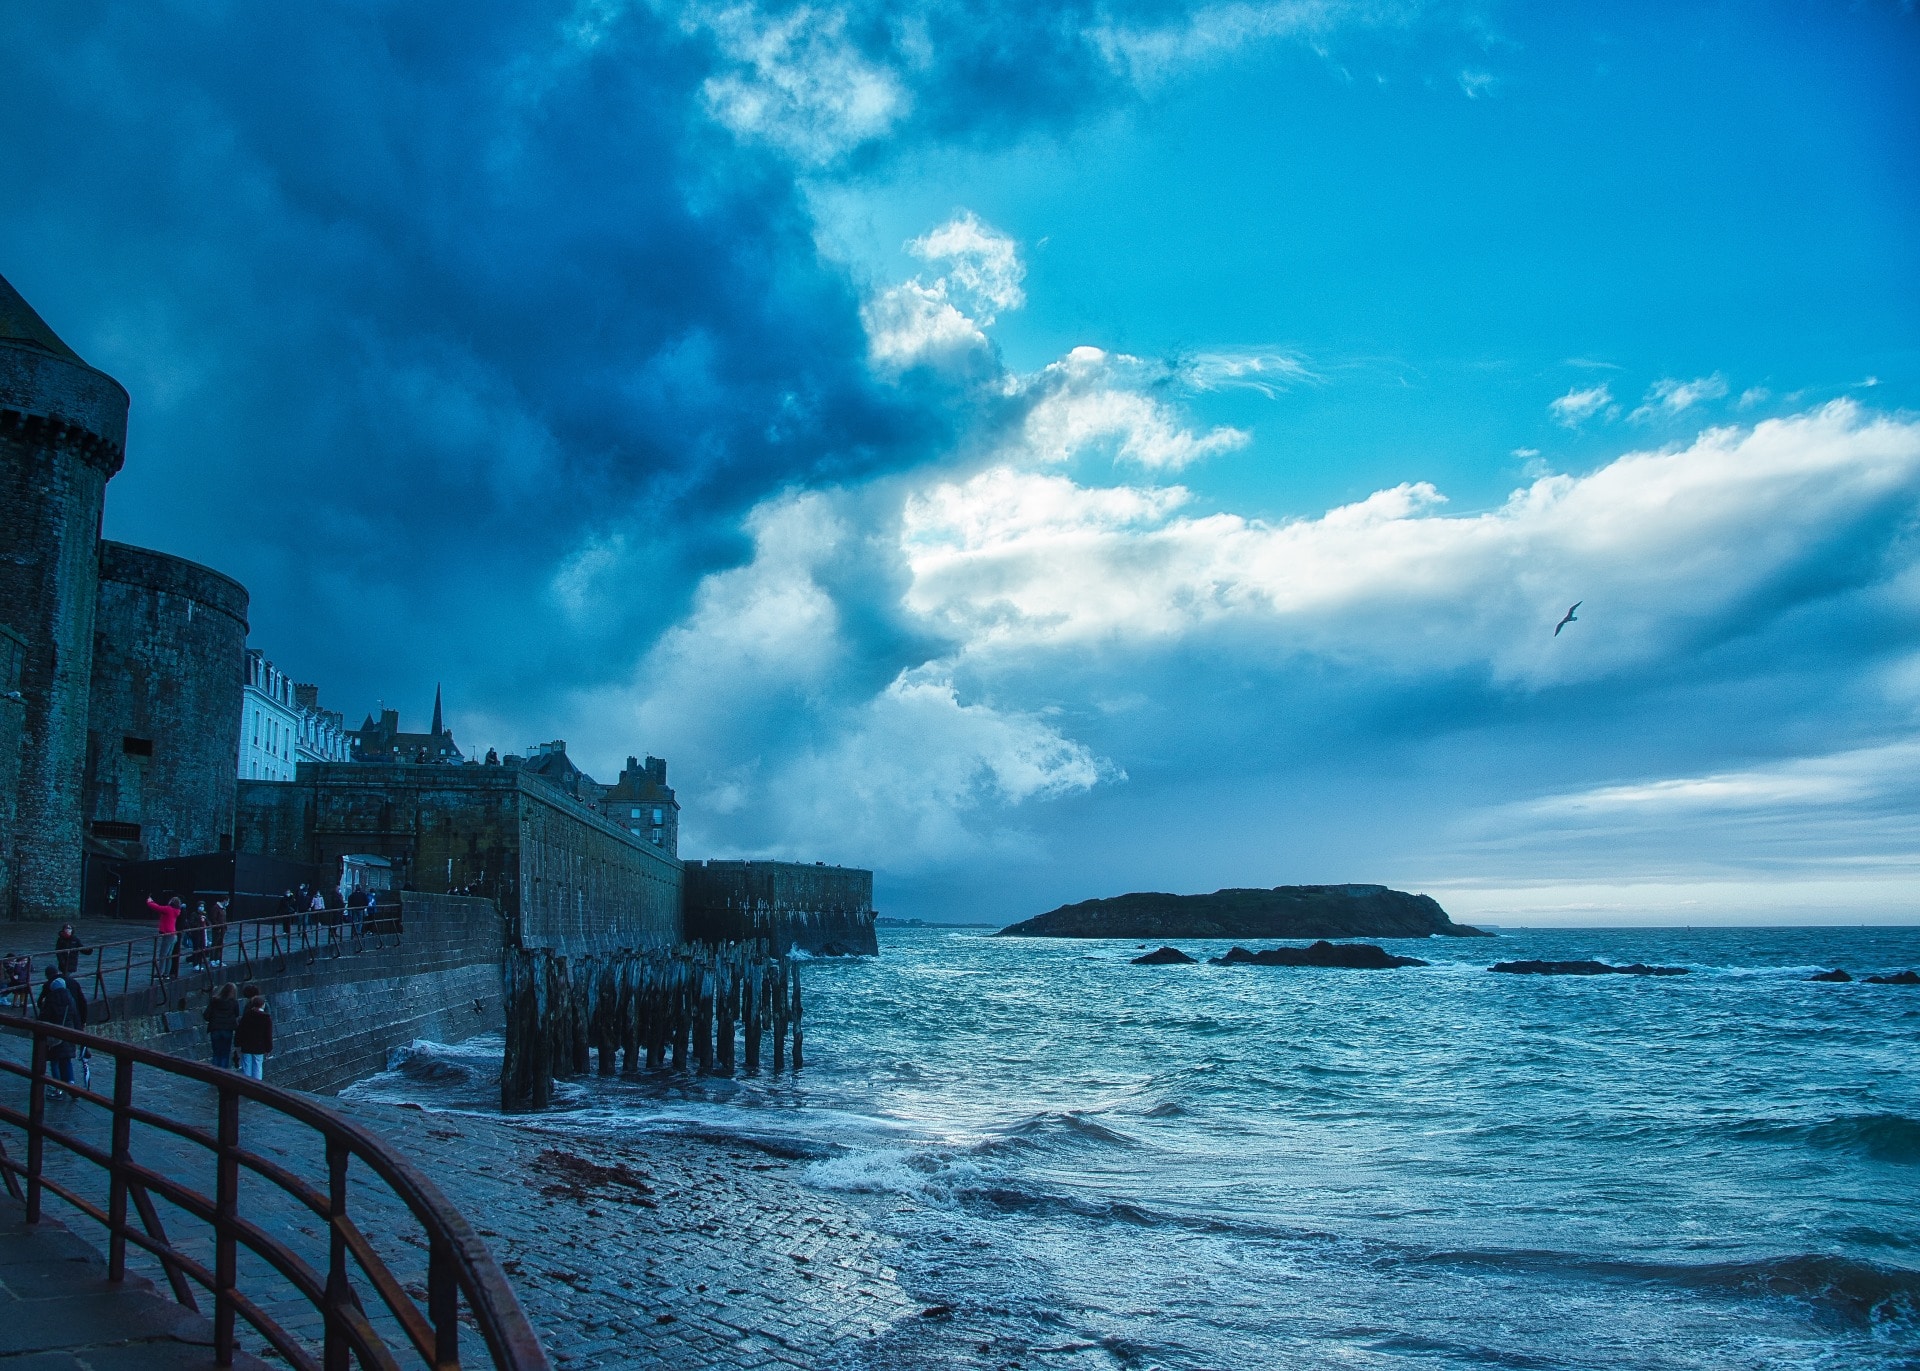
[
  {"x": 348, "y": 912},
  {"x": 199, "y": 936},
  {"x": 240, "y": 1024}
]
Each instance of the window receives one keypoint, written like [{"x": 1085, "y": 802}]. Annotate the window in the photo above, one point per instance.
[
  {"x": 656, "y": 814},
  {"x": 137, "y": 747},
  {"x": 634, "y": 813}
]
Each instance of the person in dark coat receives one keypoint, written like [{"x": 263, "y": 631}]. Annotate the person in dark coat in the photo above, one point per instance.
[
  {"x": 223, "y": 1017},
  {"x": 68, "y": 949},
  {"x": 217, "y": 916},
  {"x": 253, "y": 1035},
  {"x": 59, "y": 1004}
]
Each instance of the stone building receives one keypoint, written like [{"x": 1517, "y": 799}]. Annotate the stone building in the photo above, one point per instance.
[
  {"x": 565, "y": 876},
  {"x": 381, "y": 740},
  {"x": 169, "y": 638},
  {"x": 128, "y": 671},
  {"x": 642, "y": 802},
  {"x": 63, "y": 434}
]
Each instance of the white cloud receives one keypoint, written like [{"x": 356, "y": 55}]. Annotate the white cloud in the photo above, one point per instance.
[
  {"x": 1668, "y": 397},
  {"x": 941, "y": 322},
  {"x": 1474, "y": 84},
  {"x": 1754, "y": 395},
  {"x": 983, "y": 264},
  {"x": 1267, "y": 370},
  {"x": 1092, "y": 399},
  {"x": 796, "y": 80},
  {"x": 1580, "y": 404},
  {"x": 1149, "y": 54},
  {"x": 1660, "y": 545},
  {"x": 1837, "y": 779}
]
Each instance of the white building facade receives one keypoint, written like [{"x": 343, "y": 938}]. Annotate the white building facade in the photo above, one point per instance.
[
  {"x": 269, "y": 722},
  {"x": 282, "y": 725}
]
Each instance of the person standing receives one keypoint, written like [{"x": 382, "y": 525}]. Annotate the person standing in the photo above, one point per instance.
[
  {"x": 166, "y": 943},
  {"x": 218, "y": 918},
  {"x": 223, "y": 1017},
  {"x": 253, "y": 1035},
  {"x": 59, "y": 1005},
  {"x": 67, "y": 949},
  {"x": 194, "y": 938}
]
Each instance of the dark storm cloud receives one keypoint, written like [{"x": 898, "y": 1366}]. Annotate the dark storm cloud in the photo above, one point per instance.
[{"x": 412, "y": 300}]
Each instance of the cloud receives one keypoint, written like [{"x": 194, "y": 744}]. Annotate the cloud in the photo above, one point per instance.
[
  {"x": 1580, "y": 404},
  {"x": 1474, "y": 84},
  {"x": 1093, "y": 400},
  {"x": 941, "y": 322},
  {"x": 1668, "y": 397},
  {"x": 1667, "y": 548},
  {"x": 1843, "y": 778},
  {"x": 1267, "y": 370},
  {"x": 796, "y": 80}
]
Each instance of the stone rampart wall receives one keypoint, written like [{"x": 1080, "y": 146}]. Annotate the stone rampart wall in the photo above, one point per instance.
[
  {"x": 565, "y": 876},
  {"x": 339, "y": 1019},
  {"x": 823, "y": 910}
]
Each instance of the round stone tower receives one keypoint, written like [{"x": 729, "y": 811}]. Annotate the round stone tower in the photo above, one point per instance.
[
  {"x": 163, "y": 715},
  {"x": 63, "y": 433}
]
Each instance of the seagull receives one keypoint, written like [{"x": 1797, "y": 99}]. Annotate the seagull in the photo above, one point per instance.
[{"x": 1569, "y": 619}]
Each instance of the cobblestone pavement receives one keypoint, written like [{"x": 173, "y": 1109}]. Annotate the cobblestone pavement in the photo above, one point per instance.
[{"x": 626, "y": 1251}]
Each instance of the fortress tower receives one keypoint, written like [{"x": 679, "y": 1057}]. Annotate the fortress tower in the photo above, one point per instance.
[{"x": 63, "y": 431}]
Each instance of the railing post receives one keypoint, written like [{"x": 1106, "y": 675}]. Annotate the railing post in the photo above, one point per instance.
[
  {"x": 117, "y": 1175},
  {"x": 443, "y": 1305},
  {"x": 226, "y": 1211},
  {"x": 336, "y": 1349},
  {"x": 36, "y": 1125}
]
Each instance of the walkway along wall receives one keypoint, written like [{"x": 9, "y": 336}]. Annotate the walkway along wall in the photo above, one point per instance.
[{"x": 338, "y": 1019}]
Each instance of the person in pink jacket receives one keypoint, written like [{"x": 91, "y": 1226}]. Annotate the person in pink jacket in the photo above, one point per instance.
[{"x": 166, "y": 945}]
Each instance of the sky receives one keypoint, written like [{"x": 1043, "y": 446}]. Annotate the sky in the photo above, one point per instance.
[{"x": 1042, "y": 451}]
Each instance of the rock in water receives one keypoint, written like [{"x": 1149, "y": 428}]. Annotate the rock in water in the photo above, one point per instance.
[
  {"x": 1897, "y": 978},
  {"x": 1286, "y": 911},
  {"x": 1834, "y": 975},
  {"x": 1350, "y": 956},
  {"x": 1166, "y": 956},
  {"x": 1586, "y": 969}
]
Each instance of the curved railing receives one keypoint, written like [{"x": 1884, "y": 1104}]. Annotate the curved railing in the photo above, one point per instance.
[
  {"x": 133, "y": 972},
  {"x": 464, "y": 1284}
]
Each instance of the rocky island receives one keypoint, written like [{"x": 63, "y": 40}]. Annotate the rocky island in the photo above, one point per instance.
[{"x": 1286, "y": 911}]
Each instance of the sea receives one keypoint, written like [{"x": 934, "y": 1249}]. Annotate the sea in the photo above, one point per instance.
[{"x": 1094, "y": 1164}]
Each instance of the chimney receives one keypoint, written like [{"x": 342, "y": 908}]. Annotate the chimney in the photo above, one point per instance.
[{"x": 657, "y": 768}]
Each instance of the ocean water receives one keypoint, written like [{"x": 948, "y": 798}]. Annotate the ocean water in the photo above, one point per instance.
[{"x": 1095, "y": 1164}]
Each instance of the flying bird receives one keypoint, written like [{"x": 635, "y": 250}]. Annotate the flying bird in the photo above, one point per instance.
[{"x": 1569, "y": 619}]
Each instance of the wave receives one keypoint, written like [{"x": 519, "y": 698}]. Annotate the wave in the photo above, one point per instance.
[
  {"x": 1883, "y": 1137},
  {"x": 1861, "y": 1292}
]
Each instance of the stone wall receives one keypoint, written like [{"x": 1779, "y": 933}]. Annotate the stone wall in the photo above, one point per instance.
[
  {"x": 565, "y": 877},
  {"x": 13, "y": 718},
  {"x": 823, "y": 910},
  {"x": 63, "y": 429},
  {"x": 339, "y": 1020},
  {"x": 163, "y": 714}
]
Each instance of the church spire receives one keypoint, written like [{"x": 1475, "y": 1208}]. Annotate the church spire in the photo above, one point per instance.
[{"x": 437, "y": 730}]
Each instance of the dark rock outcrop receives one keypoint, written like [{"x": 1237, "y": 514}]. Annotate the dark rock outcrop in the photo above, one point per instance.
[
  {"x": 1834, "y": 975},
  {"x": 1166, "y": 956},
  {"x": 1350, "y": 956},
  {"x": 1897, "y": 978},
  {"x": 1286, "y": 911},
  {"x": 1586, "y": 969}
]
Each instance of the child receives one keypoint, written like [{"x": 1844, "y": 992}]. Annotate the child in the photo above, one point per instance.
[{"x": 253, "y": 1035}]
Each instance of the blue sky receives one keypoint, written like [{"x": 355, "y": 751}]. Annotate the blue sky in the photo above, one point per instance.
[{"x": 1041, "y": 451}]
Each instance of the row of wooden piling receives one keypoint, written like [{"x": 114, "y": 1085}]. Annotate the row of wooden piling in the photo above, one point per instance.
[{"x": 665, "y": 1009}]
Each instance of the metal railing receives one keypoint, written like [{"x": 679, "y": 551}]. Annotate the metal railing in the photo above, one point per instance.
[
  {"x": 460, "y": 1269},
  {"x": 151, "y": 972}
]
